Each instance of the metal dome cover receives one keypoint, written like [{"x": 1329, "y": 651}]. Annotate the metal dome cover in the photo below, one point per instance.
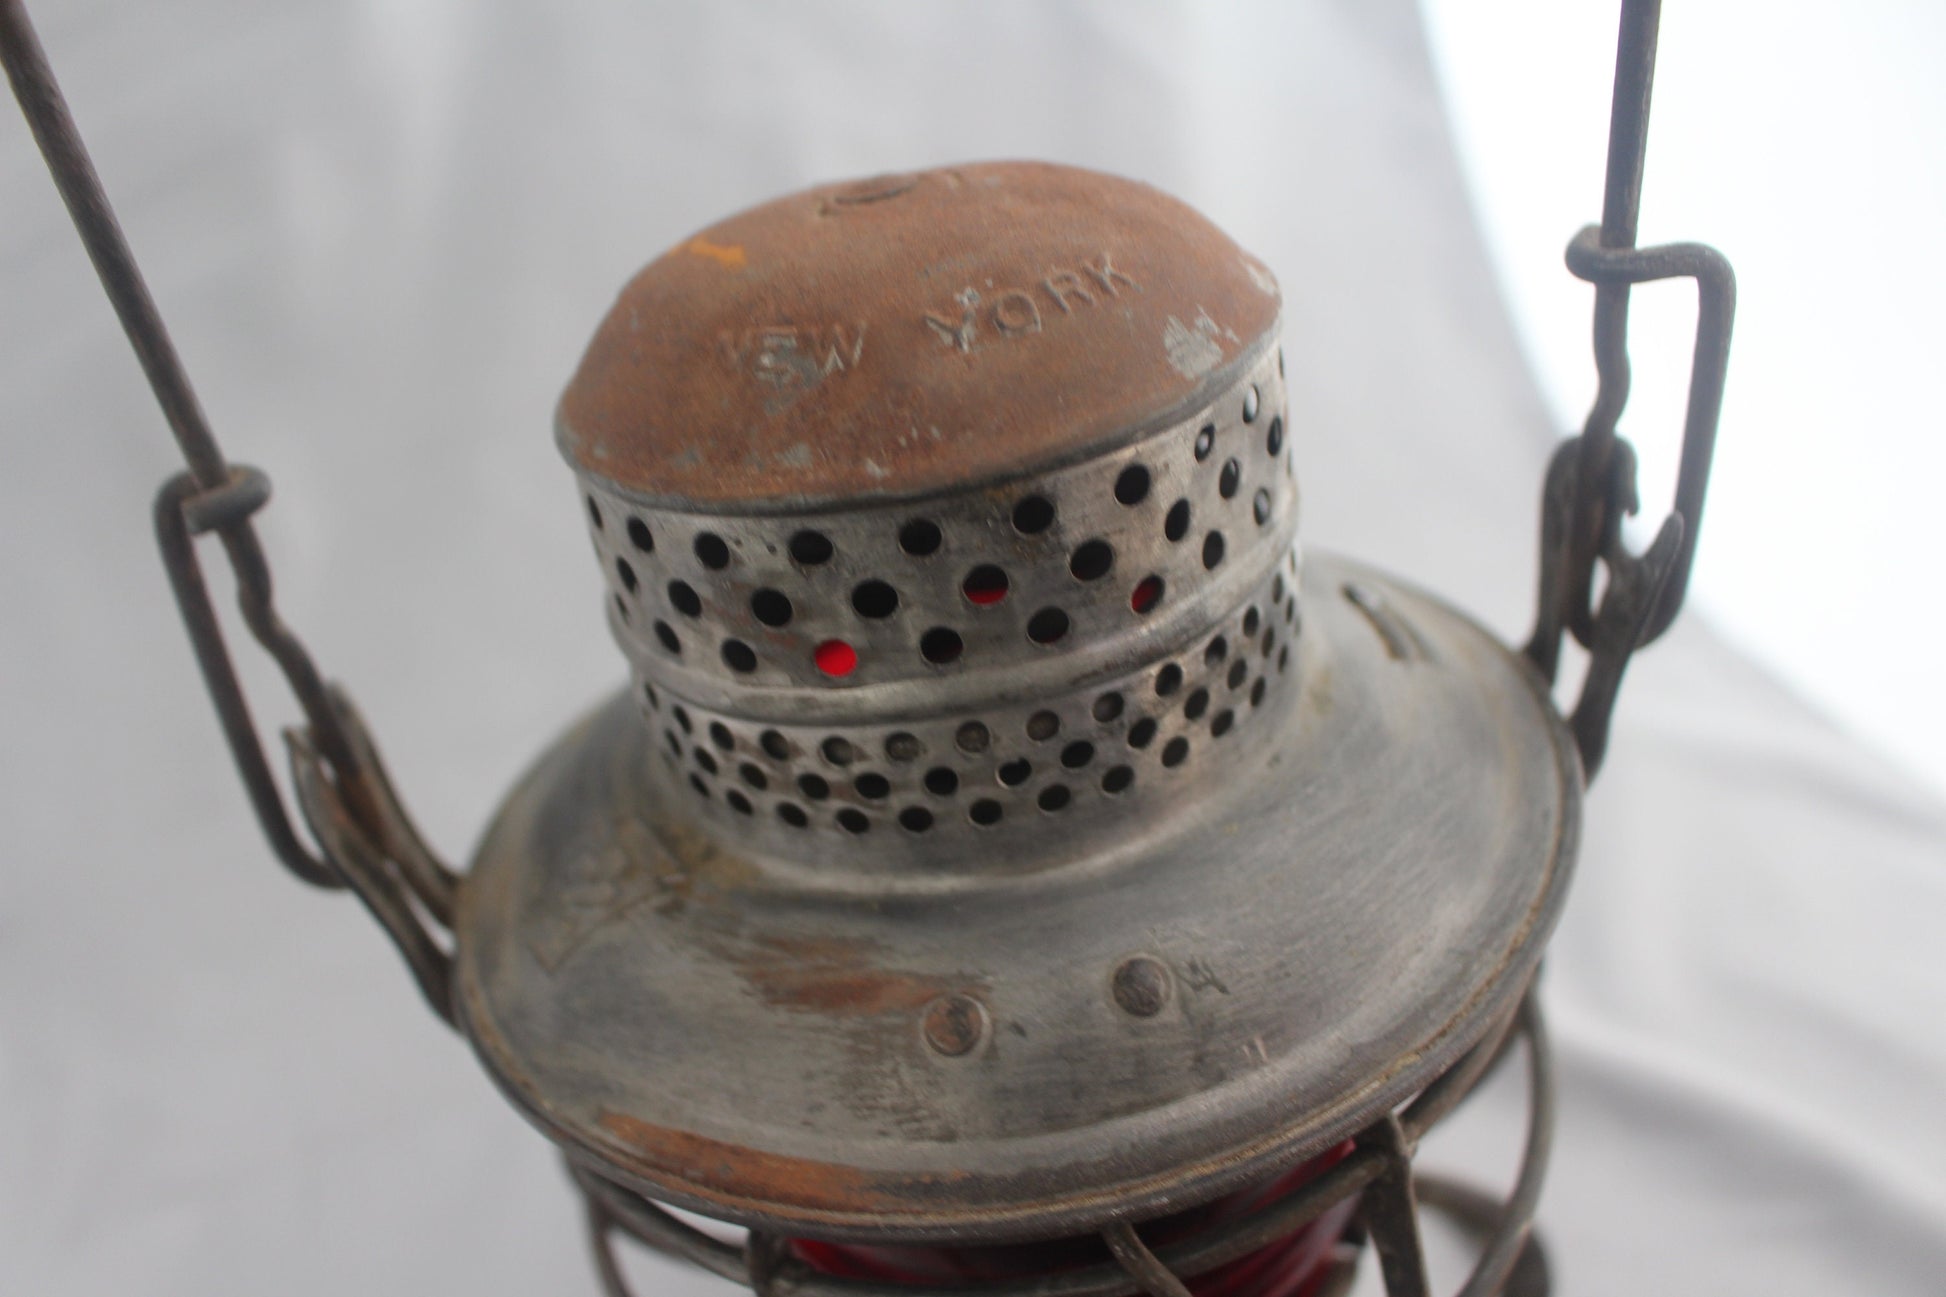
[{"x": 905, "y": 333}]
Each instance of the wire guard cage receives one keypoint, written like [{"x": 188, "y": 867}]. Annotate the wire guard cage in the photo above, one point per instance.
[{"x": 1014, "y": 868}]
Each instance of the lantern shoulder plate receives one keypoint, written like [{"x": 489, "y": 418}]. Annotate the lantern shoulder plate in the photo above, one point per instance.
[{"x": 1005, "y": 1055}]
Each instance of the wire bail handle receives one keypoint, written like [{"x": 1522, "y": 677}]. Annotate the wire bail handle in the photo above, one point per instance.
[{"x": 1591, "y": 481}]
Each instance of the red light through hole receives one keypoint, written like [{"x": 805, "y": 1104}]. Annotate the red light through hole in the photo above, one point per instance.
[
  {"x": 985, "y": 585},
  {"x": 836, "y": 658},
  {"x": 1148, "y": 593}
]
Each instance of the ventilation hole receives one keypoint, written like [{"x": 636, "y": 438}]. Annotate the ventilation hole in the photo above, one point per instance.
[
  {"x": 1277, "y": 588},
  {"x": 1176, "y": 525},
  {"x": 915, "y": 819},
  {"x": 775, "y": 744},
  {"x": 1205, "y": 442},
  {"x": 838, "y": 751},
  {"x": 1252, "y": 402},
  {"x": 941, "y": 782},
  {"x": 1239, "y": 672},
  {"x": 813, "y": 787},
  {"x": 621, "y": 609},
  {"x": 1283, "y": 658},
  {"x": 1175, "y": 752},
  {"x": 738, "y": 802},
  {"x": 1274, "y": 439},
  {"x": 711, "y": 552},
  {"x": 1016, "y": 772},
  {"x": 771, "y": 607},
  {"x": 1251, "y": 620},
  {"x": 872, "y": 787},
  {"x": 986, "y": 812},
  {"x": 985, "y": 585},
  {"x": 940, "y": 646},
  {"x": 1229, "y": 479},
  {"x": 1212, "y": 549},
  {"x": 1047, "y": 626},
  {"x": 1117, "y": 779},
  {"x": 1054, "y": 797},
  {"x": 1146, "y": 595},
  {"x": 682, "y": 719},
  {"x": 1077, "y": 754},
  {"x": 655, "y": 699},
  {"x": 1132, "y": 487},
  {"x": 1280, "y": 362},
  {"x": 1108, "y": 707},
  {"x": 1042, "y": 726},
  {"x": 834, "y": 657},
  {"x": 594, "y": 513},
  {"x": 640, "y": 537},
  {"x": 1220, "y": 723},
  {"x": 1168, "y": 680},
  {"x": 811, "y": 548},
  {"x": 720, "y": 735},
  {"x": 704, "y": 759},
  {"x": 1196, "y": 704},
  {"x": 696, "y": 782},
  {"x": 675, "y": 744},
  {"x": 1142, "y": 733},
  {"x": 1033, "y": 515},
  {"x": 683, "y": 598},
  {"x": 665, "y": 633},
  {"x": 1090, "y": 562},
  {"x": 972, "y": 738},
  {"x": 1257, "y": 692},
  {"x": 1269, "y": 642},
  {"x": 874, "y": 599},
  {"x": 754, "y": 776},
  {"x": 1216, "y": 651},
  {"x": 627, "y": 574},
  {"x": 920, "y": 537},
  {"x": 903, "y": 747},
  {"x": 1260, "y": 506},
  {"x": 1290, "y": 610},
  {"x": 739, "y": 657},
  {"x": 853, "y": 821},
  {"x": 792, "y": 814}
]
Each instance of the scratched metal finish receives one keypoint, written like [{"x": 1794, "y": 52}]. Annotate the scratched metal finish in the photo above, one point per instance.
[
  {"x": 906, "y": 334},
  {"x": 1014, "y": 1053}
]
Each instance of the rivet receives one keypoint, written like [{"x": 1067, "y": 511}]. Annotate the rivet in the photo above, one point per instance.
[
  {"x": 1141, "y": 986},
  {"x": 955, "y": 1024}
]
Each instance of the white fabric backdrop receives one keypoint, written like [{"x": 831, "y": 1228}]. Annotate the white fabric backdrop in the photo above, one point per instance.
[{"x": 382, "y": 231}]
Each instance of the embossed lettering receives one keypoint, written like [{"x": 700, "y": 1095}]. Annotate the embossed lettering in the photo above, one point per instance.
[
  {"x": 1015, "y": 313},
  {"x": 1106, "y": 274},
  {"x": 1063, "y": 284},
  {"x": 960, "y": 335}
]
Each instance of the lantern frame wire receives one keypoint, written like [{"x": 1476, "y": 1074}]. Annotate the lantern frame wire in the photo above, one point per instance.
[{"x": 365, "y": 840}]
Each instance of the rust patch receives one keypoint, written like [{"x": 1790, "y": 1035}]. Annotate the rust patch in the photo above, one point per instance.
[
  {"x": 724, "y": 1169},
  {"x": 836, "y": 977}
]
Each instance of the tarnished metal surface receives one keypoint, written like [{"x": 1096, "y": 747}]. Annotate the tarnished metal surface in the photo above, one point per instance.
[
  {"x": 899, "y": 335},
  {"x": 727, "y": 1031}
]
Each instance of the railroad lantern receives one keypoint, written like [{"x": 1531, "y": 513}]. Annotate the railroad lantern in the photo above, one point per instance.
[{"x": 1014, "y": 865}]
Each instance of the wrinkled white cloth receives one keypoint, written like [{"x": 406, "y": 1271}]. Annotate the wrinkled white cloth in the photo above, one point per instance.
[{"x": 382, "y": 232}]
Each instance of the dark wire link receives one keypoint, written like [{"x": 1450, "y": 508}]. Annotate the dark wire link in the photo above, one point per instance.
[
  {"x": 212, "y": 497},
  {"x": 1511, "y": 1260},
  {"x": 1590, "y": 483}
]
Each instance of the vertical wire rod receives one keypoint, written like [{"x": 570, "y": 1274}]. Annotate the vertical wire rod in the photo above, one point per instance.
[{"x": 74, "y": 174}]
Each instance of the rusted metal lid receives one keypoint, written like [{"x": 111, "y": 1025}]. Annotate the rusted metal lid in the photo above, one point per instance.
[{"x": 908, "y": 333}]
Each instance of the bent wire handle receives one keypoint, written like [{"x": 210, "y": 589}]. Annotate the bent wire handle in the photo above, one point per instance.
[
  {"x": 367, "y": 840},
  {"x": 1716, "y": 299},
  {"x": 1590, "y": 483}
]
